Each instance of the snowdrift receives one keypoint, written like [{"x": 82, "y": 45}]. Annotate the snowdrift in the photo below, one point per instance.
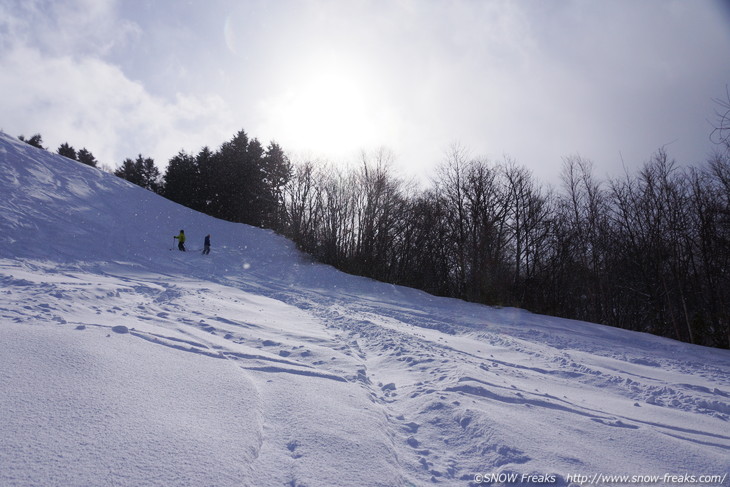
[{"x": 124, "y": 362}]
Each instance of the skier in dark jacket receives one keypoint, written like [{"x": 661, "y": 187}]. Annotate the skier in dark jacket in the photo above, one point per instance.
[
  {"x": 206, "y": 245},
  {"x": 181, "y": 241}
]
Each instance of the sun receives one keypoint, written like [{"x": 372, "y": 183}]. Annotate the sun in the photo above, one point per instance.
[{"x": 330, "y": 112}]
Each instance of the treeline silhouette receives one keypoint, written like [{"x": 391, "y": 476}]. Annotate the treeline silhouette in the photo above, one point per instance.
[
  {"x": 648, "y": 251},
  {"x": 83, "y": 155}
]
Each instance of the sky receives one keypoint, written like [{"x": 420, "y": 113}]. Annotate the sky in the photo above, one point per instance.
[{"x": 536, "y": 81}]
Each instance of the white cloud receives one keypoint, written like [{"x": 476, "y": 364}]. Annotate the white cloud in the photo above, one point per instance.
[
  {"x": 534, "y": 80},
  {"x": 67, "y": 27},
  {"x": 93, "y": 104},
  {"x": 84, "y": 100}
]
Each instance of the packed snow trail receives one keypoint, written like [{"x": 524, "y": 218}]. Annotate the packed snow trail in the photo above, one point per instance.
[{"x": 125, "y": 363}]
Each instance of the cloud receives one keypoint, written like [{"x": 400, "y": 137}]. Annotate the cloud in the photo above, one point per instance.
[
  {"x": 81, "y": 27},
  {"x": 86, "y": 101},
  {"x": 543, "y": 80},
  {"x": 91, "y": 103},
  {"x": 535, "y": 80}
]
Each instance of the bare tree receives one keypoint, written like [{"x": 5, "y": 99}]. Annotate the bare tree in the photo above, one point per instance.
[
  {"x": 476, "y": 200},
  {"x": 528, "y": 215},
  {"x": 721, "y": 133},
  {"x": 379, "y": 204},
  {"x": 649, "y": 251},
  {"x": 335, "y": 202},
  {"x": 301, "y": 196},
  {"x": 581, "y": 227}
]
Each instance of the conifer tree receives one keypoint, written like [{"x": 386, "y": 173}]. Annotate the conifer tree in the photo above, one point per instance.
[
  {"x": 277, "y": 171},
  {"x": 203, "y": 194},
  {"x": 227, "y": 193},
  {"x": 129, "y": 172},
  {"x": 35, "y": 141},
  {"x": 182, "y": 180},
  {"x": 141, "y": 172},
  {"x": 86, "y": 157},
  {"x": 66, "y": 150}
]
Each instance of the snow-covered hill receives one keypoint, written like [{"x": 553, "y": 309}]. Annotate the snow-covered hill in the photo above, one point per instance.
[{"x": 126, "y": 363}]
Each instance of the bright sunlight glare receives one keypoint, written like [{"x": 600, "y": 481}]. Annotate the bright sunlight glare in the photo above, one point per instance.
[{"x": 329, "y": 110}]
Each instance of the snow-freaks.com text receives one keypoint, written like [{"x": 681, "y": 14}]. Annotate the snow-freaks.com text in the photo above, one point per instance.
[{"x": 602, "y": 479}]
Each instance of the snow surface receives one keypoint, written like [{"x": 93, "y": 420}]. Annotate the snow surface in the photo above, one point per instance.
[{"x": 126, "y": 363}]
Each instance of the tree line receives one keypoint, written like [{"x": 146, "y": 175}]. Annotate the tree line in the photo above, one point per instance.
[
  {"x": 241, "y": 181},
  {"x": 82, "y": 155},
  {"x": 648, "y": 251}
]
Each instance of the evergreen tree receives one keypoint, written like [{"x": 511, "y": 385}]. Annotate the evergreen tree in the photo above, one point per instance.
[
  {"x": 240, "y": 182},
  {"x": 86, "y": 157},
  {"x": 35, "y": 141},
  {"x": 129, "y": 172},
  {"x": 141, "y": 172},
  {"x": 226, "y": 179},
  {"x": 150, "y": 174},
  {"x": 66, "y": 150},
  {"x": 277, "y": 171},
  {"x": 255, "y": 202},
  {"x": 182, "y": 180},
  {"x": 237, "y": 180},
  {"x": 204, "y": 162}
]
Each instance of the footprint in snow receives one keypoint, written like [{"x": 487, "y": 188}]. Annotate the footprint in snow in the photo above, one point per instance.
[
  {"x": 617, "y": 423},
  {"x": 292, "y": 447},
  {"x": 411, "y": 427}
]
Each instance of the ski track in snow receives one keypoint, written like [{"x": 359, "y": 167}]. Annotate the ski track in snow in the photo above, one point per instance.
[{"x": 336, "y": 380}]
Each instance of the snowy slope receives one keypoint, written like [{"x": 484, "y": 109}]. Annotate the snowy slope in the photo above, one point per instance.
[{"x": 126, "y": 363}]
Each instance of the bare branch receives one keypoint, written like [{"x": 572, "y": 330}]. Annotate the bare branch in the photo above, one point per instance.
[{"x": 721, "y": 134}]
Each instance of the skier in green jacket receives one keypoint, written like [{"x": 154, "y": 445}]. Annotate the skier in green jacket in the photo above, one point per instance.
[{"x": 181, "y": 240}]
